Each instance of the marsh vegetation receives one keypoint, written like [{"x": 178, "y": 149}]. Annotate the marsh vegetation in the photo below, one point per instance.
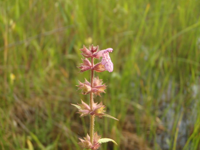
[{"x": 153, "y": 90}]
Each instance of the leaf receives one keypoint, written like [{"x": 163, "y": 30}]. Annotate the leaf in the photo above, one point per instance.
[
  {"x": 105, "y": 140},
  {"x": 54, "y": 144},
  {"x": 35, "y": 138},
  {"x": 77, "y": 106},
  {"x": 109, "y": 116},
  {"x": 30, "y": 145}
]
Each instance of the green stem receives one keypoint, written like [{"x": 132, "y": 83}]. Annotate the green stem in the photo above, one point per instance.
[{"x": 91, "y": 105}]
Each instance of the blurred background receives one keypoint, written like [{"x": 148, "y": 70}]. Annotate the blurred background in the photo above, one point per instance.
[{"x": 153, "y": 90}]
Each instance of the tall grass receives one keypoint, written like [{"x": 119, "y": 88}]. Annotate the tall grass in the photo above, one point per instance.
[{"x": 154, "y": 86}]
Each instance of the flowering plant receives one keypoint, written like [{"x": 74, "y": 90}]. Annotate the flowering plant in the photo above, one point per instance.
[{"x": 94, "y": 87}]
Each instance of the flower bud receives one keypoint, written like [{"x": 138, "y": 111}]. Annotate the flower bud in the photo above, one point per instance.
[
  {"x": 94, "y": 48},
  {"x": 86, "y": 65},
  {"x": 85, "y": 52}
]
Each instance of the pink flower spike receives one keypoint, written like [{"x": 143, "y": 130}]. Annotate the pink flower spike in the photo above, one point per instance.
[
  {"x": 106, "y": 61},
  {"x": 86, "y": 65},
  {"x": 100, "y": 53},
  {"x": 86, "y": 52}
]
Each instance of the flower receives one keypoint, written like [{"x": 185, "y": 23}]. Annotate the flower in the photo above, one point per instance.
[
  {"x": 101, "y": 52},
  {"x": 85, "y": 143},
  {"x": 86, "y": 87},
  {"x": 97, "y": 88},
  {"x": 94, "y": 48},
  {"x": 84, "y": 109},
  {"x": 96, "y": 144},
  {"x": 98, "y": 110},
  {"x": 106, "y": 61},
  {"x": 86, "y": 52},
  {"x": 86, "y": 65},
  {"x": 99, "y": 67},
  {"x": 89, "y": 52}
]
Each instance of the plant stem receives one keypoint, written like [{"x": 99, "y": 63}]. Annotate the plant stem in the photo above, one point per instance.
[{"x": 91, "y": 105}]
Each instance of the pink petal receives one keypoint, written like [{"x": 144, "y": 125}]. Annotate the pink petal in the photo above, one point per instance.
[
  {"x": 106, "y": 61},
  {"x": 100, "y": 53}
]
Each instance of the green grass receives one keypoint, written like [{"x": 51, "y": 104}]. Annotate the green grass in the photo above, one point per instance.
[{"x": 156, "y": 72}]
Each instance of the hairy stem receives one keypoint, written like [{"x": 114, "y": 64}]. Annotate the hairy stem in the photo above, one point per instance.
[{"x": 91, "y": 105}]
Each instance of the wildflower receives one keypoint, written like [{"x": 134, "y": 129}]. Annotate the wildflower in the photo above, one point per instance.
[
  {"x": 100, "y": 53},
  {"x": 86, "y": 65},
  {"x": 86, "y": 52},
  {"x": 97, "y": 82},
  {"x": 85, "y": 143},
  {"x": 97, "y": 89},
  {"x": 93, "y": 51},
  {"x": 89, "y": 52},
  {"x": 98, "y": 110},
  {"x": 94, "y": 48},
  {"x": 106, "y": 61},
  {"x": 96, "y": 144},
  {"x": 99, "y": 67},
  {"x": 83, "y": 108},
  {"x": 86, "y": 87},
  {"x": 98, "y": 86}
]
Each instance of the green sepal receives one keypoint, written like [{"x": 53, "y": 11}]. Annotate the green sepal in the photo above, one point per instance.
[
  {"x": 109, "y": 116},
  {"x": 105, "y": 140},
  {"x": 77, "y": 106}
]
